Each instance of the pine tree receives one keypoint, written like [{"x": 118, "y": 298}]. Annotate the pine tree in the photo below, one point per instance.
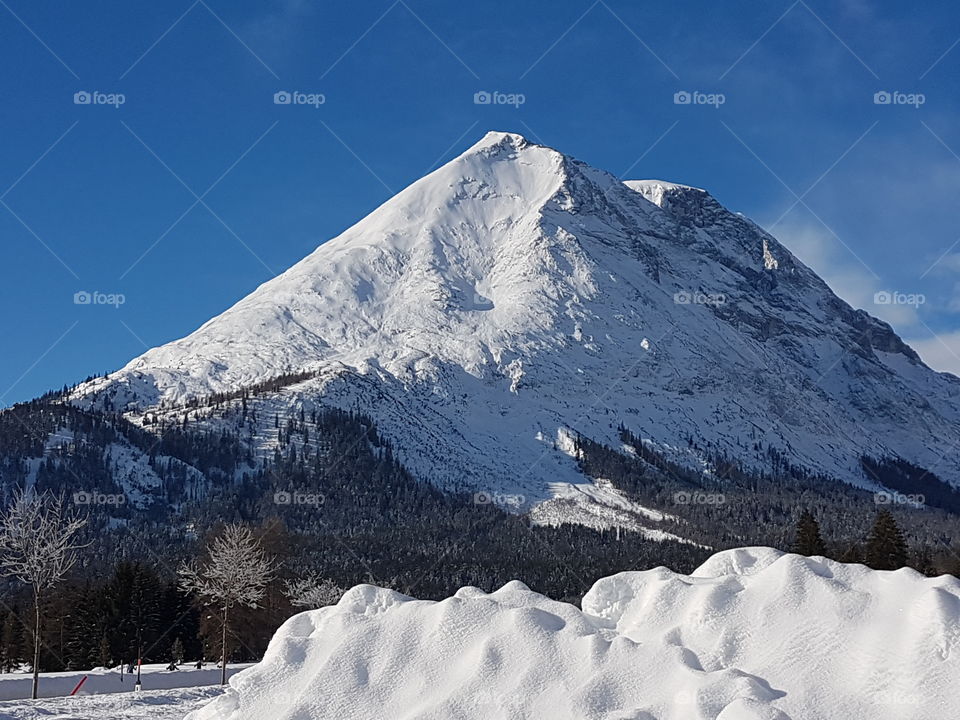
[
  {"x": 89, "y": 623},
  {"x": 12, "y": 654},
  {"x": 133, "y": 599},
  {"x": 807, "y": 540},
  {"x": 177, "y": 651},
  {"x": 886, "y": 548},
  {"x": 104, "y": 650},
  {"x": 923, "y": 563},
  {"x": 949, "y": 562}
]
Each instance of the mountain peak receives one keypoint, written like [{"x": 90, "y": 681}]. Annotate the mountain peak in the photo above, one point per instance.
[{"x": 498, "y": 138}]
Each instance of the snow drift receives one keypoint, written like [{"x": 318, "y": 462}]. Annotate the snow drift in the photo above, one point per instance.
[{"x": 753, "y": 634}]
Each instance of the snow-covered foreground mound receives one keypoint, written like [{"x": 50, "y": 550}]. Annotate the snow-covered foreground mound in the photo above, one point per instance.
[{"x": 753, "y": 634}]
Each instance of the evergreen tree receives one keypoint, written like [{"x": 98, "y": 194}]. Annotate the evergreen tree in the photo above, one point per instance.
[
  {"x": 12, "y": 651},
  {"x": 949, "y": 562},
  {"x": 133, "y": 598},
  {"x": 886, "y": 548},
  {"x": 87, "y": 627},
  {"x": 104, "y": 650},
  {"x": 177, "y": 651},
  {"x": 923, "y": 563},
  {"x": 807, "y": 540},
  {"x": 182, "y": 618}
]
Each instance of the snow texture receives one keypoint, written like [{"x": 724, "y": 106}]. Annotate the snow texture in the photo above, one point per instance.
[
  {"x": 108, "y": 681},
  {"x": 753, "y": 634},
  {"x": 146, "y": 705}
]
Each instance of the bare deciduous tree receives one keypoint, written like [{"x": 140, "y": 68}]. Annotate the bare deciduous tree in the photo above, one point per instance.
[
  {"x": 236, "y": 573},
  {"x": 312, "y": 592},
  {"x": 38, "y": 546}
]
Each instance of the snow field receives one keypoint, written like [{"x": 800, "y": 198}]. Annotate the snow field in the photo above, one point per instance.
[
  {"x": 150, "y": 704},
  {"x": 16, "y": 686}
]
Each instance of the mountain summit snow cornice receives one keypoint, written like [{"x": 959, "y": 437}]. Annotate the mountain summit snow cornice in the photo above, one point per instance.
[{"x": 517, "y": 296}]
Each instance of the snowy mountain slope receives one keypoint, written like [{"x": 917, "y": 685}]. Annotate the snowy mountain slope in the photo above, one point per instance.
[
  {"x": 753, "y": 634},
  {"x": 137, "y": 482},
  {"x": 516, "y": 296},
  {"x": 601, "y": 506}
]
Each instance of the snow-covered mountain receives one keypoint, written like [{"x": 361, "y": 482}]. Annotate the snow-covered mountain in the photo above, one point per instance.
[{"x": 516, "y": 297}]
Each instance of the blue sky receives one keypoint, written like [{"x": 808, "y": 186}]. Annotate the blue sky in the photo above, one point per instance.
[{"x": 198, "y": 187}]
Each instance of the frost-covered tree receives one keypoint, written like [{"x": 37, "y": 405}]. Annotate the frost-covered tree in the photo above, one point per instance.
[
  {"x": 38, "y": 546},
  {"x": 312, "y": 592},
  {"x": 236, "y": 572}
]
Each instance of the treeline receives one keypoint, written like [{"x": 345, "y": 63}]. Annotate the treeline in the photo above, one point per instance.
[
  {"x": 266, "y": 386},
  {"x": 885, "y": 548},
  {"x": 909, "y": 480},
  {"x": 134, "y": 612},
  {"x": 763, "y": 508},
  {"x": 138, "y": 612}
]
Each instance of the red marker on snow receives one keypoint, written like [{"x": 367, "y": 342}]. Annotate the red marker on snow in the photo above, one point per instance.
[{"x": 79, "y": 685}]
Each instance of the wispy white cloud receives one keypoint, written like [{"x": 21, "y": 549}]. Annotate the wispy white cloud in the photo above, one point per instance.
[
  {"x": 851, "y": 281},
  {"x": 845, "y": 275},
  {"x": 941, "y": 351}
]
